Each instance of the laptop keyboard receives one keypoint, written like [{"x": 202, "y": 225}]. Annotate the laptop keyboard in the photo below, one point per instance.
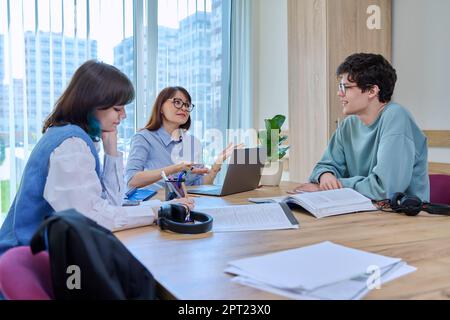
[{"x": 206, "y": 189}]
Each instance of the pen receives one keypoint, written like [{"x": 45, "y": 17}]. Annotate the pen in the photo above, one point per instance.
[
  {"x": 175, "y": 190},
  {"x": 183, "y": 185},
  {"x": 180, "y": 178}
]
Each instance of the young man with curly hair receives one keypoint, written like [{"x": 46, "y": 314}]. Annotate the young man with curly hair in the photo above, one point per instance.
[{"x": 378, "y": 149}]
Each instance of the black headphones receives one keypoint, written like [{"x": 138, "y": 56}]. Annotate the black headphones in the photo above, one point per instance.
[
  {"x": 178, "y": 218},
  {"x": 412, "y": 205}
]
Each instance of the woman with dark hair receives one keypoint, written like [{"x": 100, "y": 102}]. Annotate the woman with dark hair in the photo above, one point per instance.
[
  {"x": 64, "y": 169},
  {"x": 165, "y": 145}
]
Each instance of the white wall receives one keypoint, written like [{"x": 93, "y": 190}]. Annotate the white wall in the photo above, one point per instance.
[
  {"x": 421, "y": 55},
  {"x": 270, "y": 60}
]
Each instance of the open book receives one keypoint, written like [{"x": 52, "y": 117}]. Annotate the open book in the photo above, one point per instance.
[{"x": 325, "y": 203}]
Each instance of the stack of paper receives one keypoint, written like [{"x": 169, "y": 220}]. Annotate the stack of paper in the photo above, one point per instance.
[{"x": 321, "y": 271}]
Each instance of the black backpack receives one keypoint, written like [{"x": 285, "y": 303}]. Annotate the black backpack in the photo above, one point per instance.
[{"x": 106, "y": 269}]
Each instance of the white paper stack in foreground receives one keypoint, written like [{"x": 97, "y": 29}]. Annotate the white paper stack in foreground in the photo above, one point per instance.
[{"x": 321, "y": 271}]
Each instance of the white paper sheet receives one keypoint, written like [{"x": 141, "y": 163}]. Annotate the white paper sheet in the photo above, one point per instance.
[
  {"x": 310, "y": 267},
  {"x": 345, "y": 290},
  {"x": 250, "y": 218}
]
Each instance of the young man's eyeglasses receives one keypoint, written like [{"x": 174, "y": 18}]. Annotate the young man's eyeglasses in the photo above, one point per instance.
[
  {"x": 179, "y": 104},
  {"x": 342, "y": 87}
]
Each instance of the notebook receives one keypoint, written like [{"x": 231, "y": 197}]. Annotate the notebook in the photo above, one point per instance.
[
  {"x": 325, "y": 203},
  {"x": 139, "y": 194}
]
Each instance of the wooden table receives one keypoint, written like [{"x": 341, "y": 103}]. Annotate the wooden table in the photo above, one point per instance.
[{"x": 191, "y": 266}]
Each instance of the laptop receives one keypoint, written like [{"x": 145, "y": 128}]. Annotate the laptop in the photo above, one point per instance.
[{"x": 243, "y": 174}]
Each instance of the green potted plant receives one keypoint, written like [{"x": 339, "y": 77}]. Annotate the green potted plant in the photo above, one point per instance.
[{"x": 272, "y": 139}]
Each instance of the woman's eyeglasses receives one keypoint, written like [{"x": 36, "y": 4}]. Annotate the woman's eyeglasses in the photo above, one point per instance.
[{"x": 179, "y": 104}]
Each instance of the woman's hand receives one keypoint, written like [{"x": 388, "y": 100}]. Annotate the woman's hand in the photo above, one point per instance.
[
  {"x": 217, "y": 166},
  {"x": 227, "y": 152},
  {"x": 199, "y": 170},
  {"x": 109, "y": 140},
  {"x": 329, "y": 182},
  {"x": 185, "y": 202},
  {"x": 187, "y": 166},
  {"x": 181, "y": 166}
]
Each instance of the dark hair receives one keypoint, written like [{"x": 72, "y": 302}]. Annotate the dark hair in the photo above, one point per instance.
[
  {"x": 368, "y": 70},
  {"x": 155, "y": 121},
  {"x": 94, "y": 86}
]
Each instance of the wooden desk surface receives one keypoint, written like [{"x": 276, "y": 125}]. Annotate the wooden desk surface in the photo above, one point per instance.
[{"x": 191, "y": 267}]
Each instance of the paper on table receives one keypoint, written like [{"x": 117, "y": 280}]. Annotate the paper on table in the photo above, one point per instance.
[
  {"x": 332, "y": 198},
  {"x": 151, "y": 203},
  {"x": 272, "y": 216},
  {"x": 268, "y": 200},
  {"x": 345, "y": 290},
  {"x": 403, "y": 270},
  {"x": 311, "y": 267}
]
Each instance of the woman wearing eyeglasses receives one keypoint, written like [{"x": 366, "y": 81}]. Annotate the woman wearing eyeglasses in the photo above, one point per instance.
[{"x": 165, "y": 145}]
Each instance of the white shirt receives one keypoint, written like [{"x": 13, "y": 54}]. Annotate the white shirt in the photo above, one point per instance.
[{"x": 72, "y": 183}]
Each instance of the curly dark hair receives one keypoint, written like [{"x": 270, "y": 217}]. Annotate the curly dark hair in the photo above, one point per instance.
[{"x": 368, "y": 70}]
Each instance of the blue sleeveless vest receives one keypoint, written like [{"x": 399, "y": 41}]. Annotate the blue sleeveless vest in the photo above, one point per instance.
[{"x": 29, "y": 208}]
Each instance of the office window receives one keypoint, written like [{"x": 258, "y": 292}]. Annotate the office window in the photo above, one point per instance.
[
  {"x": 42, "y": 43},
  {"x": 156, "y": 43},
  {"x": 190, "y": 52}
]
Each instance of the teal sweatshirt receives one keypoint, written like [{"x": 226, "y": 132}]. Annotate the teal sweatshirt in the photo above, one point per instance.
[{"x": 379, "y": 160}]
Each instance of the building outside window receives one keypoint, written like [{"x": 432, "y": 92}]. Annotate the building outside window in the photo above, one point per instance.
[{"x": 43, "y": 42}]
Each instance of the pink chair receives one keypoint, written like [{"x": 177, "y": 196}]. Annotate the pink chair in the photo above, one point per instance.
[
  {"x": 440, "y": 188},
  {"x": 24, "y": 276}
]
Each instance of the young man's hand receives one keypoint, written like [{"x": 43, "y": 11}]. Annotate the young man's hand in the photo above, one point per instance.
[
  {"x": 329, "y": 182},
  {"x": 307, "y": 187}
]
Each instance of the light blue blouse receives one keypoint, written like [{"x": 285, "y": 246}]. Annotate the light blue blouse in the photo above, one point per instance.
[{"x": 151, "y": 150}]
